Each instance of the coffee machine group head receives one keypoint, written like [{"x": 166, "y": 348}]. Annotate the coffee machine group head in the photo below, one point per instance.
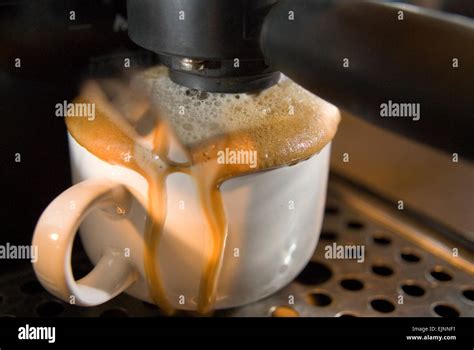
[{"x": 210, "y": 45}]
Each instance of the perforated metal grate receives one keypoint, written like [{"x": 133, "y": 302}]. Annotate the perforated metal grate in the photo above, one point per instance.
[{"x": 400, "y": 276}]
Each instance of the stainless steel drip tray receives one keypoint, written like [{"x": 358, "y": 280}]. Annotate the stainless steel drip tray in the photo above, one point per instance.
[{"x": 407, "y": 270}]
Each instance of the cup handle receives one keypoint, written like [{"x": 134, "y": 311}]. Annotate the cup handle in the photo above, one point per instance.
[{"x": 54, "y": 236}]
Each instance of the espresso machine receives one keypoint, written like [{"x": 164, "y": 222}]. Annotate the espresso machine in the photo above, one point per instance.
[{"x": 358, "y": 55}]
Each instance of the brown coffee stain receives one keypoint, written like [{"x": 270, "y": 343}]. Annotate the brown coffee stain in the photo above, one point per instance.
[{"x": 112, "y": 138}]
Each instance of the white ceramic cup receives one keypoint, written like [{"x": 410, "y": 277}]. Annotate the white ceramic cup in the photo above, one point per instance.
[{"x": 274, "y": 220}]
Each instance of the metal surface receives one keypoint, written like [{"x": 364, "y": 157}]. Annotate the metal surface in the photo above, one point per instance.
[
  {"x": 406, "y": 272},
  {"x": 190, "y": 65},
  {"x": 432, "y": 183},
  {"x": 345, "y": 54}
]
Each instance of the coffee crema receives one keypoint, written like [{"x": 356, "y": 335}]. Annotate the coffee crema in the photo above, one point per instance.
[{"x": 155, "y": 127}]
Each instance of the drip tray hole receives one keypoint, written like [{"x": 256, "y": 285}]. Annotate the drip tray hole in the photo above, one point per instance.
[
  {"x": 445, "y": 310},
  {"x": 382, "y": 270},
  {"x": 352, "y": 284},
  {"x": 314, "y": 273},
  {"x": 413, "y": 290},
  {"x": 319, "y": 299},
  {"x": 410, "y": 256},
  {"x": 382, "y": 305},
  {"x": 468, "y": 294},
  {"x": 440, "y": 274}
]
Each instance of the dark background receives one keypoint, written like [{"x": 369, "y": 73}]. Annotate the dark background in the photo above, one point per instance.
[{"x": 56, "y": 55}]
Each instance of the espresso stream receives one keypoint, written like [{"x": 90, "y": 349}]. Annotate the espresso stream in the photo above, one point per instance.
[{"x": 283, "y": 125}]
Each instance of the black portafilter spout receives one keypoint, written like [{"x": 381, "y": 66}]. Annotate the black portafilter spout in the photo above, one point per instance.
[
  {"x": 400, "y": 67},
  {"x": 211, "y": 45},
  {"x": 378, "y": 61}
]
